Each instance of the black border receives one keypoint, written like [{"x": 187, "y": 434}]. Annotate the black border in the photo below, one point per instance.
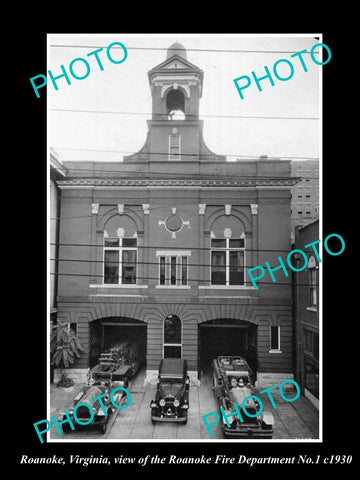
[{"x": 339, "y": 317}]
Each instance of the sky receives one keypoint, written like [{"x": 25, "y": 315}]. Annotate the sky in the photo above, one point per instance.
[{"x": 112, "y": 106}]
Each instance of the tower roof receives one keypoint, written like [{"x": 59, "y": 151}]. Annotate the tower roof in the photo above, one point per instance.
[{"x": 176, "y": 49}]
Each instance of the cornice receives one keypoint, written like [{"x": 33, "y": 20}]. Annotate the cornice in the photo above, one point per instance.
[{"x": 258, "y": 182}]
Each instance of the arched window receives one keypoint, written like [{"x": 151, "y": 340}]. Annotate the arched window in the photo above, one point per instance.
[
  {"x": 228, "y": 244},
  {"x": 120, "y": 251},
  {"x": 172, "y": 337}
]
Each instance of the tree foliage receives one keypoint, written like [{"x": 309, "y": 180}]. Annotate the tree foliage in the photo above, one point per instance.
[{"x": 65, "y": 347}]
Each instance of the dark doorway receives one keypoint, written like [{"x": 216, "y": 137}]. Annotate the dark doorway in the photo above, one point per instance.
[{"x": 226, "y": 337}]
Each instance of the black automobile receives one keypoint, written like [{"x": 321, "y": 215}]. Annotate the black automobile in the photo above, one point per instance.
[{"x": 171, "y": 402}]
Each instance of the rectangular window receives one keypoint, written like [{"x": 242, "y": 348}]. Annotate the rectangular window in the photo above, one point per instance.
[
  {"x": 299, "y": 192},
  {"x": 227, "y": 261},
  {"x": 300, "y": 208},
  {"x": 308, "y": 208},
  {"x": 308, "y": 192},
  {"x": 120, "y": 261},
  {"x": 174, "y": 146},
  {"x": 173, "y": 269},
  {"x": 274, "y": 338}
]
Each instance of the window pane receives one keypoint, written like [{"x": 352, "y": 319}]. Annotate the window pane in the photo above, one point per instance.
[
  {"x": 218, "y": 243},
  {"x": 172, "y": 329},
  {"x": 236, "y": 243},
  {"x": 172, "y": 351},
  {"x": 218, "y": 268},
  {"x": 274, "y": 338},
  {"x": 174, "y": 147},
  {"x": 236, "y": 268},
  {"x": 129, "y": 266},
  {"x": 111, "y": 267},
  {"x": 183, "y": 270},
  {"x": 129, "y": 242},
  {"x": 172, "y": 270},
  {"x": 162, "y": 271},
  {"x": 111, "y": 242}
]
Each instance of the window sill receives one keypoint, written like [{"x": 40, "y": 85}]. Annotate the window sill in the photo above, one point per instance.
[
  {"x": 311, "y": 309},
  {"x": 226, "y": 287},
  {"x": 275, "y": 351},
  {"x": 114, "y": 285},
  {"x": 184, "y": 287}
]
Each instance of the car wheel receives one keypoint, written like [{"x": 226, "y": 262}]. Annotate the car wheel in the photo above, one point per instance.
[
  {"x": 65, "y": 428},
  {"x": 185, "y": 421},
  {"x": 103, "y": 427},
  {"x": 153, "y": 421}
]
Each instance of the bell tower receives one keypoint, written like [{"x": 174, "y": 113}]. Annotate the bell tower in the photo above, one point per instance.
[
  {"x": 175, "y": 130},
  {"x": 176, "y": 86}
]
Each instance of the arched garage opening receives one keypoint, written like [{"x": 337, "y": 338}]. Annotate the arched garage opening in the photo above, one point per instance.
[
  {"x": 226, "y": 337},
  {"x": 109, "y": 332}
]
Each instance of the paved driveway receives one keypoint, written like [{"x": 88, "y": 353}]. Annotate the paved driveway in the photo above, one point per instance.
[{"x": 298, "y": 419}]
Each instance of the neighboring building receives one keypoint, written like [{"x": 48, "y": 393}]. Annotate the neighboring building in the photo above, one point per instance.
[
  {"x": 157, "y": 246},
  {"x": 305, "y": 194},
  {"x": 57, "y": 172},
  {"x": 306, "y": 314}
]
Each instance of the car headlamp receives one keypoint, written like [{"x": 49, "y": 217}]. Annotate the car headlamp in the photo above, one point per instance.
[
  {"x": 176, "y": 402},
  {"x": 233, "y": 382},
  {"x": 162, "y": 403}
]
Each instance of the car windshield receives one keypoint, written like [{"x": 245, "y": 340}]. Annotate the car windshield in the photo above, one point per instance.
[{"x": 169, "y": 383}]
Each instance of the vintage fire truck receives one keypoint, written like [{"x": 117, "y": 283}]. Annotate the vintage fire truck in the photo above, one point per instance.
[
  {"x": 115, "y": 367},
  {"x": 233, "y": 382},
  {"x": 123, "y": 359}
]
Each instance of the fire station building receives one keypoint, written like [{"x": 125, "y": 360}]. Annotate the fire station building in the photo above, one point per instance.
[{"x": 157, "y": 246}]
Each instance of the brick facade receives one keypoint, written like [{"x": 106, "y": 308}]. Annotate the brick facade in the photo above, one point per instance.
[{"x": 175, "y": 207}]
